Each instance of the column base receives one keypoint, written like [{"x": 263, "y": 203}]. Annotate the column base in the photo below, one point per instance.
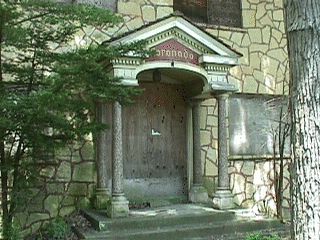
[
  {"x": 102, "y": 198},
  {"x": 198, "y": 194},
  {"x": 223, "y": 199},
  {"x": 119, "y": 207}
]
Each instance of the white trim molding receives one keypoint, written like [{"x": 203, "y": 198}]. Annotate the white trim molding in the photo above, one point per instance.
[{"x": 215, "y": 57}]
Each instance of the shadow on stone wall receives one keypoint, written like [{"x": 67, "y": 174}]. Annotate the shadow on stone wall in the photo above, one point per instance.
[{"x": 65, "y": 184}]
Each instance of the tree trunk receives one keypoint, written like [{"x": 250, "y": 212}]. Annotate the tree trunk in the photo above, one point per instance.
[
  {"x": 303, "y": 26},
  {"x": 4, "y": 212}
]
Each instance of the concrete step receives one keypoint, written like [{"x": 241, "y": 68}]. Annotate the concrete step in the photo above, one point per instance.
[
  {"x": 228, "y": 230},
  {"x": 100, "y": 222},
  {"x": 178, "y": 222}
]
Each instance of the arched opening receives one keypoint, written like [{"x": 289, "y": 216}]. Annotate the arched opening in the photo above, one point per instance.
[{"x": 155, "y": 134}]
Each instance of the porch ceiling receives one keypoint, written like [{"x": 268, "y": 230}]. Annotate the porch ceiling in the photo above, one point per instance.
[{"x": 169, "y": 75}]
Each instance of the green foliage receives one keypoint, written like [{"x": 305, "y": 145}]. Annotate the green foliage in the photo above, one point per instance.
[
  {"x": 259, "y": 236},
  {"x": 13, "y": 232},
  {"x": 47, "y": 89},
  {"x": 58, "y": 229}
]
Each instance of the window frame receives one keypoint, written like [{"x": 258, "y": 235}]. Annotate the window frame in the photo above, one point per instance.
[{"x": 205, "y": 18}]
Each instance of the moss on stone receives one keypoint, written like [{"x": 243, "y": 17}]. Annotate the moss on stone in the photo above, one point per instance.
[
  {"x": 78, "y": 189},
  {"x": 65, "y": 211},
  {"x": 55, "y": 188},
  {"x": 52, "y": 204},
  {"x": 209, "y": 184},
  {"x": 68, "y": 201},
  {"x": 84, "y": 172},
  {"x": 83, "y": 203},
  {"x": 64, "y": 171},
  {"x": 36, "y": 217},
  {"x": 87, "y": 151}
]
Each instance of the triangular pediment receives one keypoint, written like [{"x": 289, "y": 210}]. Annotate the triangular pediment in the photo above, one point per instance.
[{"x": 177, "y": 30}]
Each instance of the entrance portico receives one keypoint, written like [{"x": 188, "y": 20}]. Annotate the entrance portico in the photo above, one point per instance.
[{"x": 181, "y": 47}]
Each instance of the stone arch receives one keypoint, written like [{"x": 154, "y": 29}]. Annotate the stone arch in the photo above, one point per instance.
[
  {"x": 201, "y": 72},
  {"x": 211, "y": 61}
]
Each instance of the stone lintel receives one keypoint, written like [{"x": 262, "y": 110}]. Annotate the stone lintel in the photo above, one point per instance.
[
  {"x": 225, "y": 61},
  {"x": 220, "y": 87},
  {"x": 214, "y": 89}
]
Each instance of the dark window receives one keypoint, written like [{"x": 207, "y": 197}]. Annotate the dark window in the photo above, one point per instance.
[
  {"x": 194, "y": 9},
  {"x": 217, "y": 12},
  {"x": 254, "y": 124}
]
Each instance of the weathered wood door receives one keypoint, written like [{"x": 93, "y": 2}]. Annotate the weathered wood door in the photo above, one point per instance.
[{"x": 154, "y": 140}]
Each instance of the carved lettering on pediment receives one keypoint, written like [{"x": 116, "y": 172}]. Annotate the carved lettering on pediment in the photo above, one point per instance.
[{"x": 175, "y": 51}]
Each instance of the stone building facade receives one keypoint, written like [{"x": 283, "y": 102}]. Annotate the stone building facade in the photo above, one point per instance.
[{"x": 225, "y": 162}]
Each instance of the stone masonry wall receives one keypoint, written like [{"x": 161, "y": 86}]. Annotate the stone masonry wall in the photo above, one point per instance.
[
  {"x": 252, "y": 178},
  {"x": 262, "y": 40},
  {"x": 263, "y": 70},
  {"x": 65, "y": 185},
  {"x": 263, "y": 43},
  {"x": 253, "y": 185},
  {"x": 69, "y": 182}
]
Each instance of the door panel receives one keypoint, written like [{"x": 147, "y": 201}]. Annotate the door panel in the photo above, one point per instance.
[{"x": 154, "y": 140}]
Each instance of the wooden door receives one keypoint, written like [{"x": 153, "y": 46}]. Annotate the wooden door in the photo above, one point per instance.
[{"x": 154, "y": 140}]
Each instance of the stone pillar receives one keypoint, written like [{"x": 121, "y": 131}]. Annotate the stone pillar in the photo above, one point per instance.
[
  {"x": 102, "y": 196},
  {"x": 197, "y": 194},
  {"x": 119, "y": 204},
  {"x": 223, "y": 198}
]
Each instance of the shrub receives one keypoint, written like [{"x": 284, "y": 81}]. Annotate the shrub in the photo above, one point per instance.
[
  {"x": 57, "y": 229},
  {"x": 259, "y": 236},
  {"x": 13, "y": 232}
]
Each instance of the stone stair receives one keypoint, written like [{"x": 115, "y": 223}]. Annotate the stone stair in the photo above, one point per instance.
[{"x": 188, "y": 222}]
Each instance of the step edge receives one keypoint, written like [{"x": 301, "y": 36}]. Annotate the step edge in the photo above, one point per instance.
[
  {"x": 102, "y": 224},
  {"x": 189, "y": 227}
]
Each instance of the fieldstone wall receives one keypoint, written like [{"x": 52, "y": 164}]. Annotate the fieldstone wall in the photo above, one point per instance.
[
  {"x": 253, "y": 184},
  {"x": 263, "y": 43},
  {"x": 261, "y": 40},
  {"x": 252, "y": 178},
  {"x": 263, "y": 70},
  {"x": 209, "y": 143},
  {"x": 66, "y": 184},
  {"x": 69, "y": 181}
]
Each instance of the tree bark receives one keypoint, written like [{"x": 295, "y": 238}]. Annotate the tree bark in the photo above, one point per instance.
[
  {"x": 303, "y": 29},
  {"x": 3, "y": 165}
]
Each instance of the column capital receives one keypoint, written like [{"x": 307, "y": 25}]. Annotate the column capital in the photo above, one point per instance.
[
  {"x": 194, "y": 101},
  {"x": 222, "y": 96},
  {"x": 100, "y": 101}
]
